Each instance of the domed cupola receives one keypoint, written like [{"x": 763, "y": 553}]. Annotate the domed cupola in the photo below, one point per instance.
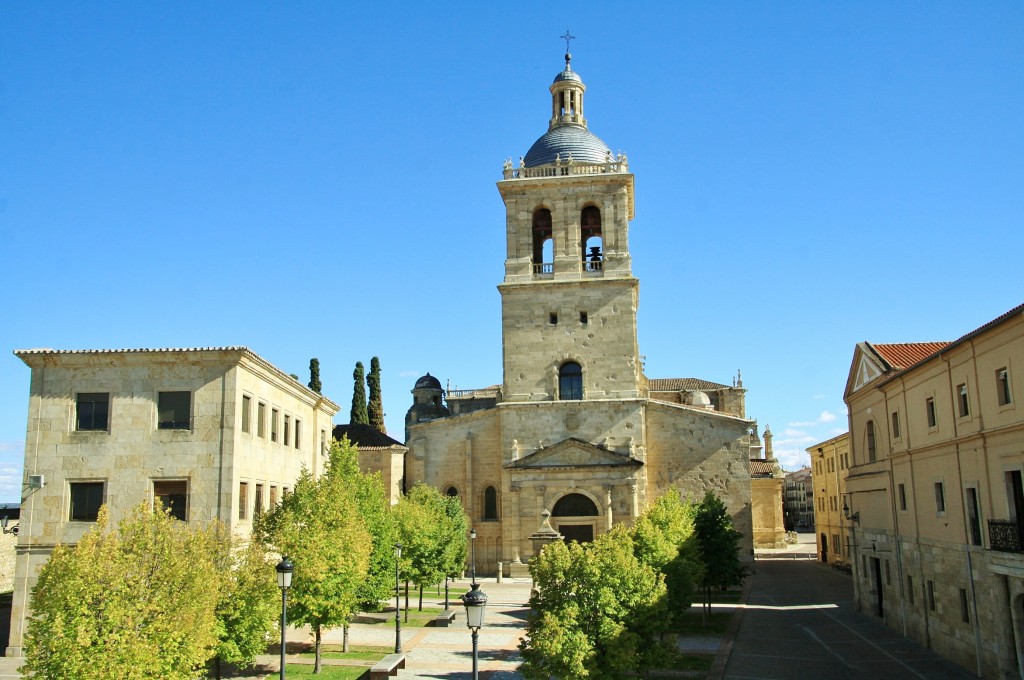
[{"x": 567, "y": 139}]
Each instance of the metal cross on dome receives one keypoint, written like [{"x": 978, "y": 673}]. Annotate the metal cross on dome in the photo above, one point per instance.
[{"x": 567, "y": 37}]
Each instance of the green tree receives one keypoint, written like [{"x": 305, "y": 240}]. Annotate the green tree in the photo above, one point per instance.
[
  {"x": 663, "y": 537},
  {"x": 248, "y": 610},
  {"x": 314, "y": 375},
  {"x": 455, "y": 532},
  {"x": 428, "y": 525},
  {"x": 358, "y": 413},
  {"x": 718, "y": 547},
  {"x": 375, "y": 407},
  {"x": 597, "y": 612},
  {"x": 320, "y": 528},
  {"x": 375, "y": 509},
  {"x": 135, "y": 602}
]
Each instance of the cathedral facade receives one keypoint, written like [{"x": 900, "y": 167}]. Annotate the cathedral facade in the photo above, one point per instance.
[{"x": 575, "y": 428}]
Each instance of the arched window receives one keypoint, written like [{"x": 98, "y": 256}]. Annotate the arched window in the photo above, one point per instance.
[
  {"x": 871, "y": 441},
  {"x": 490, "y": 504},
  {"x": 570, "y": 381},
  {"x": 543, "y": 246},
  {"x": 452, "y": 491},
  {"x": 574, "y": 505},
  {"x": 591, "y": 240}
]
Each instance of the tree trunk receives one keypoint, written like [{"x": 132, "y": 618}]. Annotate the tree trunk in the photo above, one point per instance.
[
  {"x": 216, "y": 667},
  {"x": 316, "y": 663},
  {"x": 344, "y": 638},
  {"x": 421, "y": 598}
]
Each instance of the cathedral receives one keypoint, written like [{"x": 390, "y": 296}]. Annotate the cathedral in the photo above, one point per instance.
[{"x": 575, "y": 429}]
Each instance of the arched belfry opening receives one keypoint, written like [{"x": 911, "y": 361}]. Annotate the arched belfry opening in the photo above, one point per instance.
[
  {"x": 591, "y": 238},
  {"x": 543, "y": 243}
]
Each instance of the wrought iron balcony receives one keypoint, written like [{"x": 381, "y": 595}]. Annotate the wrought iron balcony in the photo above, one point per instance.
[{"x": 1004, "y": 535}]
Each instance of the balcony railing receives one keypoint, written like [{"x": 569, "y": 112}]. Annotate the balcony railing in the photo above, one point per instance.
[
  {"x": 566, "y": 168},
  {"x": 544, "y": 268},
  {"x": 1004, "y": 535}
]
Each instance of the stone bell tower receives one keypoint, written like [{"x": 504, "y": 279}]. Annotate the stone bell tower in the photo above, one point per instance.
[{"x": 569, "y": 298}]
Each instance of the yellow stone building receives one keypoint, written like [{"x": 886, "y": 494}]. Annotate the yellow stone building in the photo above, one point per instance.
[
  {"x": 831, "y": 461},
  {"x": 575, "y": 427},
  {"x": 213, "y": 433},
  {"x": 936, "y": 495}
]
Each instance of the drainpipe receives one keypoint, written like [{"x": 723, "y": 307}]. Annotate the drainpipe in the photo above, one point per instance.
[{"x": 967, "y": 529}]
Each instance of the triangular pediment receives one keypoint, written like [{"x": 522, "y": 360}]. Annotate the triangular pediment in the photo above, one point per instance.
[
  {"x": 865, "y": 367},
  {"x": 573, "y": 453}
]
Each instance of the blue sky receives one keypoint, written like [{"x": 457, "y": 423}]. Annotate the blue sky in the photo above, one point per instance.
[{"x": 317, "y": 179}]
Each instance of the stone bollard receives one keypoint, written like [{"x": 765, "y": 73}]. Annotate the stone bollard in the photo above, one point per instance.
[{"x": 501, "y": 573}]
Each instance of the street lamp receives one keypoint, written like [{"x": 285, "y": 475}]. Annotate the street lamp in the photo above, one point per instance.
[
  {"x": 284, "y": 582},
  {"x": 4, "y": 521},
  {"x": 472, "y": 539},
  {"x": 398, "y": 602},
  {"x": 475, "y": 601}
]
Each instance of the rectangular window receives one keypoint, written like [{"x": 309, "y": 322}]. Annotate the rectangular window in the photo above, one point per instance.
[
  {"x": 552, "y": 318},
  {"x": 974, "y": 515},
  {"x": 273, "y": 424},
  {"x": 86, "y": 499},
  {"x": 965, "y": 611},
  {"x": 273, "y": 496},
  {"x": 298, "y": 432},
  {"x": 930, "y": 588},
  {"x": 246, "y": 413},
  {"x": 940, "y": 497},
  {"x": 962, "y": 402},
  {"x": 910, "y": 589},
  {"x": 895, "y": 425},
  {"x": 257, "y": 501},
  {"x": 174, "y": 410},
  {"x": 583, "y": 318},
  {"x": 929, "y": 409},
  {"x": 323, "y": 441},
  {"x": 902, "y": 489},
  {"x": 92, "y": 411},
  {"x": 172, "y": 496},
  {"x": 287, "y": 430},
  {"x": 243, "y": 499},
  {"x": 888, "y": 576},
  {"x": 261, "y": 420},
  {"x": 1003, "y": 387}
]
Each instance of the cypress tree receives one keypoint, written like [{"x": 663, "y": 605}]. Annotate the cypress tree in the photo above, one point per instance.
[
  {"x": 314, "y": 375},
  {"x": 375, "y": 408},
  {"x": 358, "y": 414}
]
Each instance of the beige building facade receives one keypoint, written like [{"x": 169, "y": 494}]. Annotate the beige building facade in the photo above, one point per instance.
[
  {"x": 831, "y": 461},
  {"x": 575, "y": 427},
  {"x": 798, "y": 502},
  {"x": 216, "y": 433},
  {"x": 767, "y": 485},
  {"x": 935, "y": 492}
]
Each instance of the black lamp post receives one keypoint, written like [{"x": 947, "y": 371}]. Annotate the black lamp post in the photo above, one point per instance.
[
  {"x": 398, "y": 602},
  {"x": 472, "y": 540},
  {"x": 284, "y": 582},
  {"x": 475, "y": 601}
]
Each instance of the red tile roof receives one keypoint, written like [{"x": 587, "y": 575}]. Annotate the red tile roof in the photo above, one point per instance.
[
  {"x": 676, "y": 384},
  {"x": 900, "y": 355},
  {"x": 762, "y": 467}
]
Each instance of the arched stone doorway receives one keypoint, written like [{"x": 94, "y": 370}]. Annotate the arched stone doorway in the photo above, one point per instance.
[{"x": 573, "y": 515}]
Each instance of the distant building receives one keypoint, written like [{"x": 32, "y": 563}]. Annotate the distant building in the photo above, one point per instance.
[
  {"x": 377, "y": 453},
  {"x": 936, "y": 491},
  {"x": 798, "y": 501},
  {"x": 831, "y": 460},
  {"x": 215, "y": 433}
]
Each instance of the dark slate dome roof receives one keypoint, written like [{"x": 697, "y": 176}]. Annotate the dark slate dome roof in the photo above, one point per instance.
[
  {"x": 564, "y": 140},
  {"x": 568, "y": 74},
  {"x": 428, "y": 382}
]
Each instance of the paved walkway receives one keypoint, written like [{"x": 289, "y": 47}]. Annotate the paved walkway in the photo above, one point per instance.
[{"x": 799, "y": 622}]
